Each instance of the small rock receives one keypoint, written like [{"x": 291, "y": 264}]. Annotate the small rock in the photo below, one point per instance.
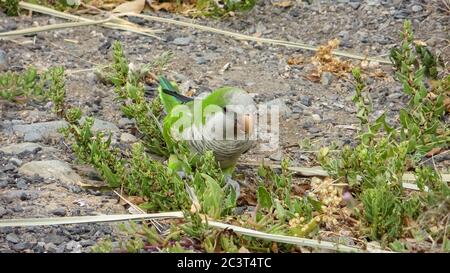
[
  {"x": 85, "y": 243},
  {"x": 22, "y": 246},
  {"x": 71, "y": 245},
  {"x": 17, "y": 208},
  {"x": 21, "y": 184},
  {"x": 59, "y": 212},
  {"x": 51, "y": 169},
  {"x": 54, "y": 239},
  {"x": 182, "y": 41},
  {"x": 316, "y": 117},
  {"x": 306, "y": 100},
  {"x": 416, "y": 8},
  {"x": 127, "y": 138},
  {"x": 7, "y": 167},
  {"x": 13, "y": 195},
  {"x": 276, "y": 156},
  {"x": 281, "y": 104},
  {"x": 15, "y": 161},
  {"x": 3, "y": 61},
  {"x": 3, "y": 212},
  {"x": 37, "y": 131},
  {"x": 12, "y": 238},
  {"x": 327, "y": 78},
  {"x": 50, "y": 247},
  {"x": 345, "y": 35},
  {"x": 39, "y": 247},
  {"x": 21, "y": 147},
  {"x": 355, "y": 5},
  {"x": 201, "y": 60},
  {"x": 124, "y": 122},
  {"x": 61, "y": 248}
]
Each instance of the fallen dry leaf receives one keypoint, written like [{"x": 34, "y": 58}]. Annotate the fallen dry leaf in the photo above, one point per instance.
[
  {"x": 434, "y": 151},
  {"x": 136, "y": 200},
  {"x": 135, "y": 6},
  {"x": 167, "y": 6},
  {"x": 295, "y": 60},
  {"x": 283, "y": 4},
  {"x": 324, "y": 61}
]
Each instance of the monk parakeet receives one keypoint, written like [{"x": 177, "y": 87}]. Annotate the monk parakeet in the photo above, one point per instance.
[{"x": 222, "y": 122}]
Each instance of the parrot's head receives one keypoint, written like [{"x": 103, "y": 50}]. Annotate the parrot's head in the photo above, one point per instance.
[{"x": 242, "y": 107}]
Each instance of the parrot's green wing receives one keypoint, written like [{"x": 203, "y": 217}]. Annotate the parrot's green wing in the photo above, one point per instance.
[{"x": 168, "y": 101}]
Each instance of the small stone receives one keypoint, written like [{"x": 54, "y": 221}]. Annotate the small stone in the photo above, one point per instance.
[
  {"x": 354, "y": 5},
  {"x": 61, "y": 248},
  {"x": 53, "y": 238},
  {"x": 416, "y": 8},
  {"x": 7, "y": 167},
  {"x": 3, "y": 212},
  {"x": 22, "y": 184},
  {"x": 306, "y": 100},
  {"x": 3, "y": 61},
  {"x": 281, "y": 104},
  {"x": 12, "y": 238},
  {"x": 15, "y": 161},
  {"x": 182, "y": 41},
  {"x": 85, "y": 243},
  {"x": 50, "y": 247},
  {"x": 71, "y": 245},
  {"x": 316, "y": 117},
  {"x": 17, "y": 208},
  {"x": 127, "y": 138},
  {"x": 276, "y": 156},
  {"x": 59, "y": 212},
  {"x": 39, "y": 247},
  {"x": 201, "y": 60},
  {"x": 124, "y": 122},
  {"x": 22, "y": 246},
  {"x": 326, "y": 78},
  {"x": 345, "y": 35},
  {"x": 37, "y": 131},
  {"x": 54, "y": 169}
]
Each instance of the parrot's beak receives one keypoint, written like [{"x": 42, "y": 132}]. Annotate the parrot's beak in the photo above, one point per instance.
[{"x": 246, "y": 124}]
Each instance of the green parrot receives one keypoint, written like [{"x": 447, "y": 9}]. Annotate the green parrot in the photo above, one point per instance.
[{"x": 221, "y": 122}]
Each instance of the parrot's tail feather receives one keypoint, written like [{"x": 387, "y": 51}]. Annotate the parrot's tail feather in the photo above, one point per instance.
[
  {"x": 165, "y": 84},
  {"x": 177, "y": 95}
]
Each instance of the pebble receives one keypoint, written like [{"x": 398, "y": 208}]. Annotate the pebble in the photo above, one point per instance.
[
  {"x": 51, "y": 169},
  {"x": 182, "y": 41},
  {"x": 316, "y": 117},
  {"x": 326, "y": 78},
  {"x": 416, "y": 8},
  {"x": 59, "y": 212},
  {"x": 355, "y": 5},
  {"x": 12, "y": 238},
  {"x": 37, "y": 131},
  {"x": 21, "y": 184},
  {"x": 124, "y": 122},
  {"x": 22, "y": 246},
  {"x": 15, "y": 161},
  {"x": 306, "y": 100},
  {"x": 3, "y": 61},
  {"x": 3, "y": 212},
  {"x": 281, "y": 104},
  {"x": 54, "y": 239},
  {"x": 277, "y": 156},
  {"x": 50, "y": 247},
  {"x": 127, "y": 138}
]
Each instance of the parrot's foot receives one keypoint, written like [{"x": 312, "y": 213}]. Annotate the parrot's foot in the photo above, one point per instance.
[{"x": 233, "y": 184}]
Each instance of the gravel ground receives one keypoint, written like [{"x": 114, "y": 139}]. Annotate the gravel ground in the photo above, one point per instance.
[{"x": 321, "y": 112}]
